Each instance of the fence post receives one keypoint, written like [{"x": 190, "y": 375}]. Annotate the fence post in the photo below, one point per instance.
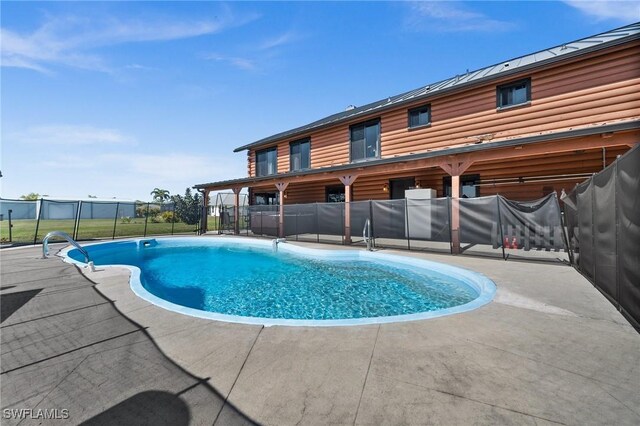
[
  {"x": 500, "y": 227},
  {"x": 563, "y": 225},
  {"x": 450, "y": 232},
  {"x": 406, "y": 218},
  {"x": 10, "y": 226},
  {"x": 373, "y": 225},
  {"x": 296, "y": 223},
  {"x": 593, "y": 226},
  {"x": 115, "y": 220},
  {"x": 344, "y": 212},
  {"x": 173, "y": 217},
  {"x": 617, "y": 216},
  {"x": 35, "y": 237},
  {"x": 146, "y": 219},
  {"x": 317, "y": 225},
  {"x": 77, "y": 224}
]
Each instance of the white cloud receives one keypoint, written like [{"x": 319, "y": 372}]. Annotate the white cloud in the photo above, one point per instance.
[
  {"x": 258, "y": 55},
  {"x": 68, "y": 40},
  {"x": 71, "y": 135},
  {"x": 280, "y": 40},
  {"x": 130, "y": 175},
  {"x": 245, "y": 64},
  {"x": 450, "y": 17},
  {"x": 626, "y": 11}
]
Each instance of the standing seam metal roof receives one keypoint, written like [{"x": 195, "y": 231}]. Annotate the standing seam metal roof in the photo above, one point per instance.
[{"x": 504, "y": 68}]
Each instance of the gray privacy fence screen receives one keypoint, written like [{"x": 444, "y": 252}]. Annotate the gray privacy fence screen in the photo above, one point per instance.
[
  {"x": 27, "y": 222},
  {"x": 488, "y": 225},
  {"x": 603, "y": 225}
]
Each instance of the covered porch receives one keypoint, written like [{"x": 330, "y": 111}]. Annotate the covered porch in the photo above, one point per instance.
[{"x": 521, "y": 169}]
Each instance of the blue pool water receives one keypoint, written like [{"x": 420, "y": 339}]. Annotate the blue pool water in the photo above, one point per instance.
[{"x": 252, "y": 281}]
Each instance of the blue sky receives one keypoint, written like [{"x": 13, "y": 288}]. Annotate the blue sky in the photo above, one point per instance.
[{"x": 114, "y": 99}]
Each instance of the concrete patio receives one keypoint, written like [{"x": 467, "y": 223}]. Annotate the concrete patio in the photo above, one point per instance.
[{"x": 549, "y": 349}]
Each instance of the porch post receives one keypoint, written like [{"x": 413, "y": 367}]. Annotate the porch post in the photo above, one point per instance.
[
  {"x": 455, "y": 213},
  {"x": 205, "y": 218},
  {"x": 282, "y": 186},
  {"x": 455, "y": 167},
  {"x": 347, "y": 181},
  {"x": 236, "y": 210}
]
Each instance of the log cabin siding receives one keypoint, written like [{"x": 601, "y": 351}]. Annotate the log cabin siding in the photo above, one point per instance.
[
  {"x": 283, "y": 157},
  {"x": 251, "y": 162},
  {"x": 597, "y": 88},
  {"x": 371, "y": 187}
]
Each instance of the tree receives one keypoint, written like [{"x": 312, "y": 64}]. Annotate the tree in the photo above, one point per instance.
[
  {"x": 160, "y": 195},
  {"x": 33, "y": 196},
  {"x": 187, "y": 208}
]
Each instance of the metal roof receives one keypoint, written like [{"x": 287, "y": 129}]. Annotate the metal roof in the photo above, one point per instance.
[
  {"x": 524, "y": 140},
  {"x": 504, "y": 68}
]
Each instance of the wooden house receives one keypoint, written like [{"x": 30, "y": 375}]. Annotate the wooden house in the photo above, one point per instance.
[{"x": 521, "y": 128}]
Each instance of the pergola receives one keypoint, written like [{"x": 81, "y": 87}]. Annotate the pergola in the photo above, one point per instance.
[{"x": 454, "y": 162}]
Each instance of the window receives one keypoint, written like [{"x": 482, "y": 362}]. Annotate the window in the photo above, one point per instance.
[
  {"x": 468, "y": 188},
  {"x": 299, "y": 155},
  {"x": 335, "y": 194},
  {"x": 420, "y": 116},
  {"x": 267, "y": 162},
  {"x": 514, "y": 93},
  {"x": 365, "y": 141},
  {"x": 266, "y": 199}
]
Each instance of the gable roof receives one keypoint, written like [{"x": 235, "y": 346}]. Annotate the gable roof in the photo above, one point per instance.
[{"x": 504, "y": 68}]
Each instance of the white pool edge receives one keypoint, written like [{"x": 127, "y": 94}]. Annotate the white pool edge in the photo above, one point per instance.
[{"x": 485, "y": 287}]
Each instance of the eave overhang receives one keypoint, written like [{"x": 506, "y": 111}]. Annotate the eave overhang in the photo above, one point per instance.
[{"x": 604, "y": 130}]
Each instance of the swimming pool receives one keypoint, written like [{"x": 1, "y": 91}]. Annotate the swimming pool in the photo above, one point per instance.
[{"x": 244, "y": 280}]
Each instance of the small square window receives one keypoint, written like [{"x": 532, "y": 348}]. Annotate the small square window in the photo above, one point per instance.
[
  {"x": 516, "y": 93},
  {"x": 420, "y": 116}
]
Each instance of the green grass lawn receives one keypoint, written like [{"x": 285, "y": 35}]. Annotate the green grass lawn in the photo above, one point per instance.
[{"x": 23, "y": 231}]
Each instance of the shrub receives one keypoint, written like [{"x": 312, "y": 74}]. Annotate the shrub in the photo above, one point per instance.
[
  {"x": 169, "y": 217},
  {"x": 125, "y": 219},
  {"x": 187, "y": 207},
  {"x": 143, "y": 211}
]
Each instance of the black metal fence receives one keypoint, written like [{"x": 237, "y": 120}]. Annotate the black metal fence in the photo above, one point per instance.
[
  {"x": 603, "y": 224},
  {"x": 27, "y": 222},
  {"x": 491, "y": 226}
]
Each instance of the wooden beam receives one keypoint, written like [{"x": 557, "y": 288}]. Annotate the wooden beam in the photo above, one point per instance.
[
  {"x": 455, "y": 166},
  {"x": 282, "y": 186},
  {"x": 347, "y": 181},
  {"x": 446, "y": 166},
  {"x": 236, "y": 210},
  {"x": 568, "y": 145},
  {"x": 455, "y": 214},
  {"x": 464, "y": 161},
  {"x": 205, "y": 219}
]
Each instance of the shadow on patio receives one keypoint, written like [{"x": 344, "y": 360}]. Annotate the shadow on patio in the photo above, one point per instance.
[{"x": 66, "y": 346}]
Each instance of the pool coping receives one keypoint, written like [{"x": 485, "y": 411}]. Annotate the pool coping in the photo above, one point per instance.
[{"x": 485, "y": 287}]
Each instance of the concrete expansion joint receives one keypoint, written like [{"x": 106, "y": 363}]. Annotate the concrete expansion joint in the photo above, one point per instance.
[
  {"x": 226, "y": 398},
  {"x": 364, "y": 383}
]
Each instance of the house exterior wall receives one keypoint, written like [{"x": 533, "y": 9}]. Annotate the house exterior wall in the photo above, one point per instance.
[
  {"x": 371, "y": 187},
  {"x": 598, "y": 88}
]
